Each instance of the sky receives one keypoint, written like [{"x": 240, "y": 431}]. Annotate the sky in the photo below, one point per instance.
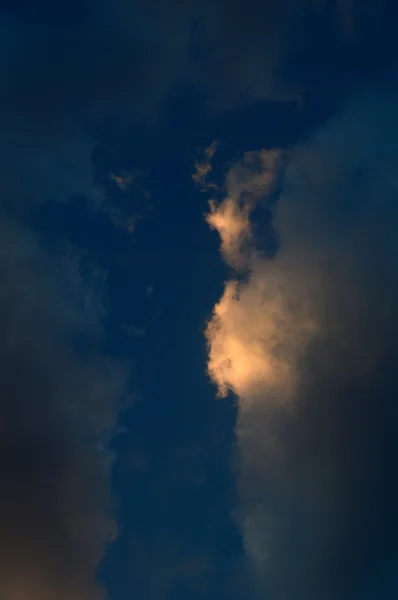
[{"x": 198, "y": 307}]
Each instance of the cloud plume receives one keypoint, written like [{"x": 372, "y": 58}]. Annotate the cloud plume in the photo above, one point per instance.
[{"x": 306, "y": 340}]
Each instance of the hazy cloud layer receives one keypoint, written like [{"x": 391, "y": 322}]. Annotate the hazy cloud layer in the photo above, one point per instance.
[{"x": 307, "y": 342}]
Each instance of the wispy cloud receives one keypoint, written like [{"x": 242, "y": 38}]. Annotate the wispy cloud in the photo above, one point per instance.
[
  {"x": 126, "y": 180},
  {"x": 246, "y": 184},
  {"x": 132, "y": 203},
  {"x": 306, "y": 342},
  {"x": 204, "y": 167},
  {"x": 123, "y": 182}
]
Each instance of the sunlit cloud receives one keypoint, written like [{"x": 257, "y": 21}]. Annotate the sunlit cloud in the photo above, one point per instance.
[
  {"x": 255, "y": 336},
  {"x": 246, "y": 184},
  {"x": 305, "y": 341}
]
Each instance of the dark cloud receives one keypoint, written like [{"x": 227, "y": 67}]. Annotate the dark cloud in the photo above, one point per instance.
[
  {"x": 93, "y": 59},
  {"x": 65, "y": 69},
  {"x": 60, "y": 398},
  {"x": 308, "y": 343}
]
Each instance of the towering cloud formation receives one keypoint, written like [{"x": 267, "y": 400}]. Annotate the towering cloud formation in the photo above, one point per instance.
[{"x": 307, "y": 342}]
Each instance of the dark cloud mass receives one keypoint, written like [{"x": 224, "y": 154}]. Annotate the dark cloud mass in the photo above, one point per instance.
[
  {"x": 308, "y": 343},
  {"x": 60, "y": 395},
  {"x": 58, "y": 409},
  {"x": 94, "y": 57},
  {"x": 67, "y": 66}
]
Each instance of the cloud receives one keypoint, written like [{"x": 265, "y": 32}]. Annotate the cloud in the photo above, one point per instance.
[
  {"x": 243, "y": 49},
  {"x": 131, "y": 192},
  {"x": 62, "y": 71},
  {"x": 65, "y": 71},
  {"x": 204, "y": 167},
  {"x": 60, "y": 398},
  {"x": 245, "y": 185},
  {"x": 307, "y": 342},
  {"x": 125, "y": 180},
  {"x": 60, "y": 394},
  {"x": 108, "y": 60}
]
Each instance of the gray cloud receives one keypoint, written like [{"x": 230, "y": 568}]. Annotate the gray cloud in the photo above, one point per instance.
[
  {"x": 307, "y": 341},
  {"x": 58, "y": 409}
]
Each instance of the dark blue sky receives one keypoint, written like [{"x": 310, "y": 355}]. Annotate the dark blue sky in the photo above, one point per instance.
[{"x": 174, "y": 477}]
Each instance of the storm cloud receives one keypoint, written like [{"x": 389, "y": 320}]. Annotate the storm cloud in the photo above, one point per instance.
[{"x": 306, "y": 340}]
